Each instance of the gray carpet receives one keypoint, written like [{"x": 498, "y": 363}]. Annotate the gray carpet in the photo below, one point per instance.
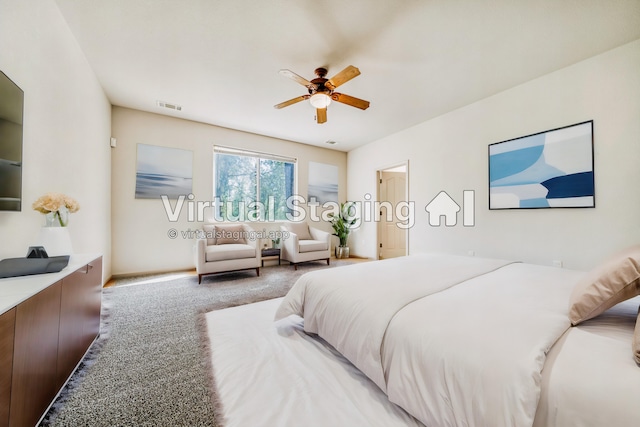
[{"x": 150, "y": 366}]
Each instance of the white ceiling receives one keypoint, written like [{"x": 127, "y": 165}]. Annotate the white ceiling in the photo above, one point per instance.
[{"x": 419, "y": 59}]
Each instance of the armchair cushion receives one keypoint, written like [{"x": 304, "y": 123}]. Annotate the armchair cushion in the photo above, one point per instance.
[
  {"x": 300, "y": 229},
  {"x": 230, "y": 234},
  {"x": 312, "y": 245},
  {"x": 229, "y": 251}
]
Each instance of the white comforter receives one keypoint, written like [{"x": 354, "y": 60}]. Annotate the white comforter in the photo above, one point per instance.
[{"x": 453, "y": 340}]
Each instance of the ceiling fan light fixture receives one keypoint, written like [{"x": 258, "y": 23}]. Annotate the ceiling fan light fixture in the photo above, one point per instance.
[{"x": 320, "y": 100}]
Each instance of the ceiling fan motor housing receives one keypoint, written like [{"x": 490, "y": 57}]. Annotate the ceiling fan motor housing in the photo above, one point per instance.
[{"x": 319, "y": 82}]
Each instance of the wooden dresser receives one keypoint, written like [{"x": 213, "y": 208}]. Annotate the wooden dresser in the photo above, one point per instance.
[{"x": 47, "y": 323}]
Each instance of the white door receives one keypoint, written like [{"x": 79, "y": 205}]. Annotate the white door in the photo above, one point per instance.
[{"x": 392, "y": 190}]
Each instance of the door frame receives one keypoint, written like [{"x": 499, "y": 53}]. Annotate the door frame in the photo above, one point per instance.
[{"x": 379, "y": 171}]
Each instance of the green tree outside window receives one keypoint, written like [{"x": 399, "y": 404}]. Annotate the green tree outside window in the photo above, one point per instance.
[{"x": 253, "y": 188}]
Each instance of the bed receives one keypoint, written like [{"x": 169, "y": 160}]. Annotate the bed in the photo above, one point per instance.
[{"x": 469, "y": 341}]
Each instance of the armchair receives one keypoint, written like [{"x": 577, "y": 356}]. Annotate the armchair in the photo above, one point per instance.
[
  {"x": 304, "y": 243},
  {"x": 225, "y": 248}
]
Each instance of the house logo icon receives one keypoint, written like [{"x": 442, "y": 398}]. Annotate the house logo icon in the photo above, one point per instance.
[{"x": 443, "y": 205}]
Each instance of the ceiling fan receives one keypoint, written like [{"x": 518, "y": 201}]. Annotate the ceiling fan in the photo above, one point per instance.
[{"x": 321, "y": 91}]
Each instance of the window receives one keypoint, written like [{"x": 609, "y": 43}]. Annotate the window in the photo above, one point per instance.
[{"x": 252, "y": 186}]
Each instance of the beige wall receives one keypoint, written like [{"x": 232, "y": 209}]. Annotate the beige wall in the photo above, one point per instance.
[
  {"x": 450, "y": 153},
  {"x": 67, "y": 122},
  {"x": 140, "y": 226}
]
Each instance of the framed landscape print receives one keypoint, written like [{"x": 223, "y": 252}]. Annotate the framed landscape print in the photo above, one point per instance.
[
  {"x": 551, "y": 169},
  {"x": 323, "y": 182},
  {"x": 163, "y": 171}
]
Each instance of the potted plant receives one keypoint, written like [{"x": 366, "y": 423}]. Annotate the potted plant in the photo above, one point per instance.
[{"x": 342, "y": 224}]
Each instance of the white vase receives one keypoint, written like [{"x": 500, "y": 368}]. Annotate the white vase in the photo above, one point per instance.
[
  {"x": 55, "y": 240},
  {"x": 59, "y": 218}
]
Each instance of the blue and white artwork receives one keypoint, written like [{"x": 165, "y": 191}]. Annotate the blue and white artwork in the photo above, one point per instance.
[
  {"x": 323, "y": 183},
  {"x": 550, "y": 169},
  {"x": 163, "y": 171}
]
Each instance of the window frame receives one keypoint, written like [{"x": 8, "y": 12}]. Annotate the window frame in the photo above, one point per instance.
[{"x": 219, "y": 149}]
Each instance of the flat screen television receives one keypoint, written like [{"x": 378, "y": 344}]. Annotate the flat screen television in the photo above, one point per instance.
[{"x": 11, "y": 112}]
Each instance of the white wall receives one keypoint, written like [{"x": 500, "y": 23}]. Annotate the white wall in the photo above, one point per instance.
[
  {"x": 67, "y": 122},
  {"x": 450, "y": 153},
  {"x": 140, "y": 226}
]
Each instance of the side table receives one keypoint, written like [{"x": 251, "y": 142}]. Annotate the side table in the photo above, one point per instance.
[{"x": 271, "y": 253}]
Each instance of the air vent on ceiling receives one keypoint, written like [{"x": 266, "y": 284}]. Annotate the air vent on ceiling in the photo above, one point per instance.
[
  {"x": 169, "y": 105},
  {"x": 331, "y": 142}
]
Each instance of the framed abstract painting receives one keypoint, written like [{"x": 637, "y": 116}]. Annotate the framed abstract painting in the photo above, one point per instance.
[{"x": 551, "y": 169}]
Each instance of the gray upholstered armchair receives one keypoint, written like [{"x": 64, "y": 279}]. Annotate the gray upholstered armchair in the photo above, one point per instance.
[
  {"x": 226, "y": 247},
  {"x": 302, "y": 243}
]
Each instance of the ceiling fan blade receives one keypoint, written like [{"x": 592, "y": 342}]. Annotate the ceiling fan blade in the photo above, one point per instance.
[
  {"x": 342, "y": 77},
  {"x": 350, "y": 100},
  {"x": 321, "y": 115},
  {"x": 293, "y": 76},
  {"x": 291, "y": 101}
]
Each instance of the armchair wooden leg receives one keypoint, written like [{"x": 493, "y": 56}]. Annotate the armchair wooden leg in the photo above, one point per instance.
[
  {"x": 328, "y": 261},
  {"x": 258, "y": 271},
  {"x": 295, "y": 266},
  {"x": 199, "y": 279}
]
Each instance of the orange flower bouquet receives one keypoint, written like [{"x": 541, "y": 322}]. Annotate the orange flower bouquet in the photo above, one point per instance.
[{"x": 56, "y": 207}]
